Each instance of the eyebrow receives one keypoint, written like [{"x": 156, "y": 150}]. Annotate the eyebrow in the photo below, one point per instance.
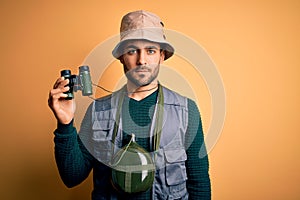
[{"x": 135, "y": 47}]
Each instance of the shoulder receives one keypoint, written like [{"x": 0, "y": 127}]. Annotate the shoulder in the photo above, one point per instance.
[
  {"x": 192, "y": 105},
  {"x": 107, "y": 102},
  {"x": 177, "y": 98},
  {"x": 103, "y": 103},
  {"x": 172, "y": 97}
]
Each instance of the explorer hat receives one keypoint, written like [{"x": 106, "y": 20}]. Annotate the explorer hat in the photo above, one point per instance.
[{"x": 142, "y": 25}]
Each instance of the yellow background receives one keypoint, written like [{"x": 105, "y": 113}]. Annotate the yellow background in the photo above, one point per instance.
[{"x": 255, "y": 45}]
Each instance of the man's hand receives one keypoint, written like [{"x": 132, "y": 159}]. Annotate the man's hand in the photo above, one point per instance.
[{"x": 63, "y": 109}]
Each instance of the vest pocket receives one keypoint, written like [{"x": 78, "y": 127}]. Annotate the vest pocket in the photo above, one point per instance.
[
  {"x": 175, "y": 166},
  {"x": 102, "y": 140}
]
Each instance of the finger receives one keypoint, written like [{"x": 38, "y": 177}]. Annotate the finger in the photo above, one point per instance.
[
  {"x": 58, "y": 96},
  {"x": 61, "y": 82},
  {"x": 57, "y": 82},
  {"x": 54, "y": 98},
  {"x": 59, "y": 90}
]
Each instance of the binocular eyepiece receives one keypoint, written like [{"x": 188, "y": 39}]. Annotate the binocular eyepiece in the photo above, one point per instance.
[{"x": 78, "y": 82}]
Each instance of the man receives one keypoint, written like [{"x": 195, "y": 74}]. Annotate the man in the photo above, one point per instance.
[{"x": 164, "y": 123}]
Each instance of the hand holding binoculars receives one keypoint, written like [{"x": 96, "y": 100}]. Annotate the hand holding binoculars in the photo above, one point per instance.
[{"x": 82, "y": 82}]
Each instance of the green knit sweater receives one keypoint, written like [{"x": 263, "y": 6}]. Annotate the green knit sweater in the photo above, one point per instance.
[{"x": 75, "y": 163}]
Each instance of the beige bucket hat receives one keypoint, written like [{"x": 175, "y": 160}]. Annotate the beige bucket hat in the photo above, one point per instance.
[{"x": 142, "y": 25}]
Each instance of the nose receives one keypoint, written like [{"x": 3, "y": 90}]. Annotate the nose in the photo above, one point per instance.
[{"x": 141, "y": 60}]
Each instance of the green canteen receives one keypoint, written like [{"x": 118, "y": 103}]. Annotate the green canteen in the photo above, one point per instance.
[{"x": 133, "y": 169}]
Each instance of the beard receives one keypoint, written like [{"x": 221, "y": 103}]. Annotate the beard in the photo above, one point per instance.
[{"x": 142, "y": 79}]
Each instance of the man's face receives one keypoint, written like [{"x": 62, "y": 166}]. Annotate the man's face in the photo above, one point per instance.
[{"x": 141, "y": 60}]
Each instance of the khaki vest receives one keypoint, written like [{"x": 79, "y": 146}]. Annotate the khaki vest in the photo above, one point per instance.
[{"x": 170, "y": 175}]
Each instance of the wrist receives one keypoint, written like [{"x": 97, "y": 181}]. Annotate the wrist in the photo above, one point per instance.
[{"x": 65, "y": 127}]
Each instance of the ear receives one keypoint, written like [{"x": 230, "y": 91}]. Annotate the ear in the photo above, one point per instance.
[
  {"x": 121, "y": 59},
  {"x": 162, "y": 56}
]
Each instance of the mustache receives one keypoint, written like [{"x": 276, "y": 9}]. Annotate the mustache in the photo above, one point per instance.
[
  {"x": 142, "y": 68},
  {"x": 147, "y": 68}
]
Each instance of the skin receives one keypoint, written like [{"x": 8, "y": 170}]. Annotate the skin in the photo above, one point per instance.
[
  {"x": 141, "y": 61},
  {"x": 63, "y": 109}
]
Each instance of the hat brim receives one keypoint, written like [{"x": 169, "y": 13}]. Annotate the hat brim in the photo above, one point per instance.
[
  {"x": 144, "y": 34},
  {"x": 118, "y": 50}
]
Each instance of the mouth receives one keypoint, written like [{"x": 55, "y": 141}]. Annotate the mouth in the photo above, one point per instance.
[{"x": 142, "y": 69}]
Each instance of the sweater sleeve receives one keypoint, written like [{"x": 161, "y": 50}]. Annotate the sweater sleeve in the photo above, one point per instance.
[
  {"x": 198, "y": 183},
  {"x": 73, "y": 160}
]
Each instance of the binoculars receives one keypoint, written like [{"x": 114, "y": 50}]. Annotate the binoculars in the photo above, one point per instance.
[{"x": 78, "y": 82}]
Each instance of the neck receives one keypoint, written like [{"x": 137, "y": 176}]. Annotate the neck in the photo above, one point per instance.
[{"x": 139, "y": 93}]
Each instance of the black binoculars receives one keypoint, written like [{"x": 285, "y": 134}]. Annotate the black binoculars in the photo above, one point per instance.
[{"x": 78, "y": 82}]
